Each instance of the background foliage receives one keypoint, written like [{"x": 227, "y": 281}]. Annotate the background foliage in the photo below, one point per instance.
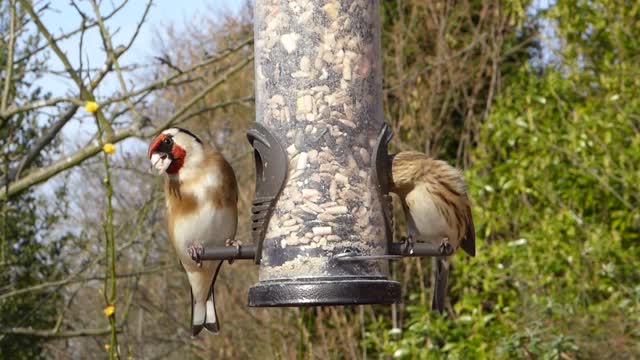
[
  {"x": 539, "y": 103},
  {"x": 554, "y": 176}
]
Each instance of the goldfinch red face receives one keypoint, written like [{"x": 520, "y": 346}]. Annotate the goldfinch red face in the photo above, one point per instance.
[{"x": 170, "y": 149}]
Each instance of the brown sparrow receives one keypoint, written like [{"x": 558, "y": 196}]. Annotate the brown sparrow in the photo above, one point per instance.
[{"x": 436, "y": 207}]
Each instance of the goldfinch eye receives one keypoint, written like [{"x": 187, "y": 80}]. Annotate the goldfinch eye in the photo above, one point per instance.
[{"x": 167, "y": 141}]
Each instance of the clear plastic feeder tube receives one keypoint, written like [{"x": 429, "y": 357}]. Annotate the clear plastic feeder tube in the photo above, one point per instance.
[{"x": 319, "y": 90}]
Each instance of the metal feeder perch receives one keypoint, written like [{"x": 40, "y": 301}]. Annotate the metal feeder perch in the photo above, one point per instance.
[{"x": 322, "y": 216}]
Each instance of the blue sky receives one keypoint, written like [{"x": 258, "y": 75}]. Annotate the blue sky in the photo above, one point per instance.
[{"x": 62, "y": 18}]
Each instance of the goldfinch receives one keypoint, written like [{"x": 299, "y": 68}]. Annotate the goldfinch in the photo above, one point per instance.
[{"x": 201, "y": 198}]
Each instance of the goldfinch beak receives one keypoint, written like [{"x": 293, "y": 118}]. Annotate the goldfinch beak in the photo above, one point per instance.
[{"x": 160, "y": 162}]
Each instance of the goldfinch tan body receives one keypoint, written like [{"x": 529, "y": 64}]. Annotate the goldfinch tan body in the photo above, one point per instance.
[
  {"x": 436, "y": 206},
  {"x": 201, "y": 198}
]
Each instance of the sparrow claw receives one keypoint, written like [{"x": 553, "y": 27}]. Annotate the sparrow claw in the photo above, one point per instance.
[
  {"x": 233, "y": 242},
  {"x": 445, "y": 247},
  {"x": 196, "y": 252}
]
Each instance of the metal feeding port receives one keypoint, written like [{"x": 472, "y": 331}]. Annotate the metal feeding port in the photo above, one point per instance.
[{"x": 322, "y": 220}]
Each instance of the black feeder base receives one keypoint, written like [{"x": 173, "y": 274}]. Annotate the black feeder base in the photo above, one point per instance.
[{"x": 329, "y": 291}]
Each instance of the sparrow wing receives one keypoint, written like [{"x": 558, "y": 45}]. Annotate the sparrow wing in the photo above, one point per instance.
[{"x": 468, "y": 243}]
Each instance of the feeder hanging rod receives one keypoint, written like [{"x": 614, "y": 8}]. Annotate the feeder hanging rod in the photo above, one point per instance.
[
  {"x": 240, "y": 252},
  {"x": 396, "y": 251}
]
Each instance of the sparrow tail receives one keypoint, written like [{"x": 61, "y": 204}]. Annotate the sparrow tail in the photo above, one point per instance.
[{"x": 440, "y": 277}]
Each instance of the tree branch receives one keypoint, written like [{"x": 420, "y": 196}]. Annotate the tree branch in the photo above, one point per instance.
[
  {"x": 178, "y": 114},
  {"x": 108, "y": 46},
  {"x": 68, "y": 35},
  {"x": 9, "y": 68},
  {"x": 216, "y": 107},
  {"x": 42, "y": 174},
  {"x": 85, "y": 93},
  {"x": 54, "y": 334},
  {"x": 51, "y": 133},
  {"x": 164, "y": 82},
  {"x": 74, "y": 278}
]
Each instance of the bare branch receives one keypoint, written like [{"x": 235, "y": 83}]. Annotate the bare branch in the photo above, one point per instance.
[
  {"x": 177, "y": 117},
  {"x": 216, "y": 107},
  {"x": 73, "y": 278},
  {"x": 166, "y": 60},
  {"x": 85, "y": 93},
  {"x": 54, "y": 334},
  {"x": 164, "y": 82},
  {"x": 108, "y": 45},
  {"x": 51, "y": 133},
  {"x": 40, "y": 175},
  {"x": 9, "y": 69},
  {"x": 14, "y": 109},
  {"x": 414, "y": 76},
  {"x": 70, "y": 34}
]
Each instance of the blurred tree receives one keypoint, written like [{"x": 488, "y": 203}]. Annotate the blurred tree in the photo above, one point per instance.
[
  {"x": 555, "y": 182},
  {"x": 549, "y": 138},
  {"x": 114, "y": 232},
  {"x": 444, "y": 62},
  {"x": 28, "y": 251}
]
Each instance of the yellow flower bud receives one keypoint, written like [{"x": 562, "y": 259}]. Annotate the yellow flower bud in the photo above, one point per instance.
[
  {"x": 109, "y": 148},
  {"x": 107, "y": 347},
  {"x": 91, "y": 106},
  {"x": 109, "y": 310}
]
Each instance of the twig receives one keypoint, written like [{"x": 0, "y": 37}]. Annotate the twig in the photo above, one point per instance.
[
  {"x": 15, "y": 109},
  {"x": 68, "y": 35},
  {"x": 52, "y": 334},
  {"x": 427, "y": 68},
  {"x": 162, "y": 83},
  {"x": 42, "y": 174},
  {"x": 165, "y": 60},
  {"x": 145, "y": 253},
  {"x": 106, "y": 68},
  {"x": 177, "y": 117},
  {"x": 216, "y": 107},
  {"x": 9, "y": 68},
  {"x": 74, "y": 278},
  {"x": 56, "y": 327},
  {"x": 108, "y": 45},
  {"x": 85, "y": 93},
  {"x": 110, "y": 252}
]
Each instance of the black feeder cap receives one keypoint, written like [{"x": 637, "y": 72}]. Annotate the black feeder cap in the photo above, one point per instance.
[{"x": 328, "y": 291}]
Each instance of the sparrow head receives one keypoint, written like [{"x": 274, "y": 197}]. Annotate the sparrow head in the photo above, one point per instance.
[
  {"x": 409, "y": 168},
  {"x": 173, "y": 147},
  {"x": 406, "y": 168}
]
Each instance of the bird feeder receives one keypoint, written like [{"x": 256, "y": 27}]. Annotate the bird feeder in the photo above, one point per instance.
[
  {"x": 321, "y": 217},
  {"x": 319, "y": 95}
]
